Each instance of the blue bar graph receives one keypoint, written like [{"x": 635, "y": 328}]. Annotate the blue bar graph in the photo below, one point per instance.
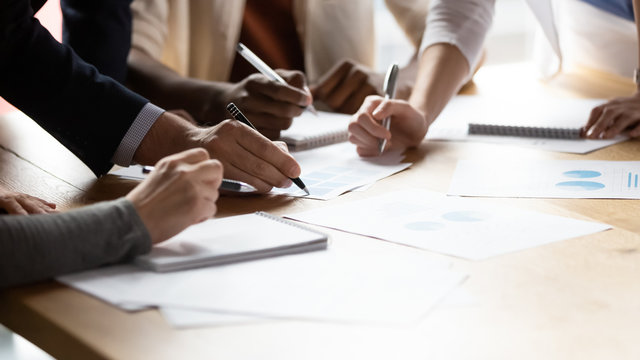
[{"x": 632, "y": 181}]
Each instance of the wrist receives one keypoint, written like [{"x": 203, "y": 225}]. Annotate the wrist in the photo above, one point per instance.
[{"x": 168, "y": 135}]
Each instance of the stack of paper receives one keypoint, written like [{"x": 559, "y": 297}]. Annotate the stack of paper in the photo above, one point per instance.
[
  {"x": 346, "y": 283},
  {"x": 310, "y": 131}
]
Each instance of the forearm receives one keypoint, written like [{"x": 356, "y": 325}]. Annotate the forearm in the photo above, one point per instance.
[
  {"x": 170, "y": 90},
  {"x": 443, "y": 69},
  {"x": 38, "y": 247}
]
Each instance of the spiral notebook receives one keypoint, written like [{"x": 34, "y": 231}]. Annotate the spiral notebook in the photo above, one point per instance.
[
  {"x": 525, "y": 131},
  {"x": 232, "y": 239},
  {"x": 541, "y": 117},
  {"x": 310, "y": 131}
]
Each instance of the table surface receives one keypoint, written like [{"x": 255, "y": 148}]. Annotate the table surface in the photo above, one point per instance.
[{"x": 578, "y": 298}]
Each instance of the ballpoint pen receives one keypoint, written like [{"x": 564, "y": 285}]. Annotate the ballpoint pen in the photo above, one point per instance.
[
  {"x": 226, "y": 184},
  {"x": 238, "y": 115},
  {"x": 389, "y": 89},
  {"x": 263, "y": 68}
]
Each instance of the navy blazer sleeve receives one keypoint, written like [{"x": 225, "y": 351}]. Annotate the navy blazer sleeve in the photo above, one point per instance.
[
  {"x": 105, "y": 22},
  {"x": 87, "y": 112}
]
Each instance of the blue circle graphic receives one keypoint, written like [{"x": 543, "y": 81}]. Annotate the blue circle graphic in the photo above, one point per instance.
[
  {"x": 466, "y": 216},
  {"x": 424, "y": 226},
  {"x": 580, "y": 185},
  {"x": 582, "y": 174}
]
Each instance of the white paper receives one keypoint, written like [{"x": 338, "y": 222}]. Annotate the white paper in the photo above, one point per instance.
[
  {"x": 571, "y": 179},
  {"x": 453, "y": 123},
  {"x": 333, "y": 170},
  {"x": 188, "y": 318},
  {"x": 362, "y": 281},
  {"x": 467, "y": 228}
]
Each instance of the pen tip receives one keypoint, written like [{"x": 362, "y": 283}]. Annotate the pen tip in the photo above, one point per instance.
[{"x": 306, "y": 191}]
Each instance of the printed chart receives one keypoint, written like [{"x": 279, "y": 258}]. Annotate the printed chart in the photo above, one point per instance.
[
  {"x": 548, "y": 179},
  {"x": 467, "y": 228}
]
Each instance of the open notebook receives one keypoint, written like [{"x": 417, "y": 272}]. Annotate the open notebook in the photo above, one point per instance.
[
  {"x": 232, "y": 239},
  {"x": 309, "y": 131}
]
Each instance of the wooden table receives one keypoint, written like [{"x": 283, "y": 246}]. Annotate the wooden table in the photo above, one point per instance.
[{"x": 575, "y": 299}]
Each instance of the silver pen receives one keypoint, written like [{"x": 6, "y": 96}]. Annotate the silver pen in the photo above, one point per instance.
[
  {"x": 265, "y": 70},
  {"x": 389, "y": 89}
]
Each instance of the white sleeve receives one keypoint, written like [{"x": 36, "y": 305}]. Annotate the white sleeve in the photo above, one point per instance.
[{"x": 462, "y": 23}]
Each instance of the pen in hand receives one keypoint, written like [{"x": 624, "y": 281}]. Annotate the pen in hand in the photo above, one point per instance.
[
  {"x": 238, "y": 115},
  {"x": 389, "y": 89},
  {"x": 226, "y": 184},
  {"x": 265, "y": 70}
]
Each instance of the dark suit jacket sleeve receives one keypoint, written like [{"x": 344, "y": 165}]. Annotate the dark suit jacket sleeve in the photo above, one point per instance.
[
  {"x": 105, "y": 22},
  {"x": 87, "y": 112}
]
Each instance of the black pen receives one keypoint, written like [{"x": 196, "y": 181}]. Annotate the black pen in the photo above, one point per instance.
[
  {"x": 238, "y": 115},
  {"x": 226, "y": 184}
]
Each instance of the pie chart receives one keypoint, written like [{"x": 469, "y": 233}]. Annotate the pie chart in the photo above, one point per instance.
[{"x": 580, "y": 185}]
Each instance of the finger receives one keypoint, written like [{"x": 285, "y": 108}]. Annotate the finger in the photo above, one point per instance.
[
  {"x": 32, "y": 206},
  {"x": 388, "y": 107},
  {"x": 233, "y": 172},
  {"x": 367, "y": 151},
  {"x": 373, "y": 127},
  {"x": 14, "y": 208},
  {"x": 607, "y": 118},
  {"x": 190, "y": 156},
  {"x": 268, "y": 121},
  {"x": 353, "y": 81},
  {"x": 595, "y": 114},
  {"x": 635, "y": 132},
  {"x": 620, "y": 125},
  {"x": 253, "y": 162},
  {"x": 331, "y": 79},
  {"x": 258, "y": 103},
  {"x": 277, "y": 91},
  {"x": 294, "y": 78},
  {"x": 352, "y": 104},
  {"x": 362, "y": 137},
  {"x": 263, "y": 149}
]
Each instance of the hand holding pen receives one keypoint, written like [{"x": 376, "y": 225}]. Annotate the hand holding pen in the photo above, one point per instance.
[
  {"x": 238, "y": 115},
  {"x": 267, "y": 71}
]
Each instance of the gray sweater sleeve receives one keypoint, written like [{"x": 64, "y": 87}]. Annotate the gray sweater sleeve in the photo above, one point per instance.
[{"x": 38, "y": 247}]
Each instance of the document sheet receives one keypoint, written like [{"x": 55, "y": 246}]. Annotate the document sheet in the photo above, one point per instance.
[
  {"x": 468, "y": 228},
  {"x": 330, "y": 171},
  {"x": 571, "y": 179}
]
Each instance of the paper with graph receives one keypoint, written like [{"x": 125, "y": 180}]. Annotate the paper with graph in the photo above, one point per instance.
[
  {"x": 468, "y": 228},
  {"x": 332, "y": 170},
  {"x": 573, "y": 179}
]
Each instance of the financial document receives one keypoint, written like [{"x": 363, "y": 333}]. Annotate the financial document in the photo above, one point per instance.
[
  {"x": 571, "y": 179},
  {"x": 468, "y": 228},
  {"x": 332, "y": 170}
]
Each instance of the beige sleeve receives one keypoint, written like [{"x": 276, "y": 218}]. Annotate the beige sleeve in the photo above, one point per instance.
[
  {"x": 150, "y": 26},
  {"x": 411, "y": 15}
]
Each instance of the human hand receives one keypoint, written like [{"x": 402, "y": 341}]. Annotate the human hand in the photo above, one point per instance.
[
  {"x": 610, "y": 119},
  {"x": 22, "y": 204},
  {"x": 245, "y": 154},
  {"x": 271, "y": 106},
  {"x": 408, "y": 126},
  {"x": 181, "y": 191}
]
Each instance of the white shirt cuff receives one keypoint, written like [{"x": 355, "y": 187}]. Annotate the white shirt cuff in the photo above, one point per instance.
[{"x": 138, "y": 130}]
